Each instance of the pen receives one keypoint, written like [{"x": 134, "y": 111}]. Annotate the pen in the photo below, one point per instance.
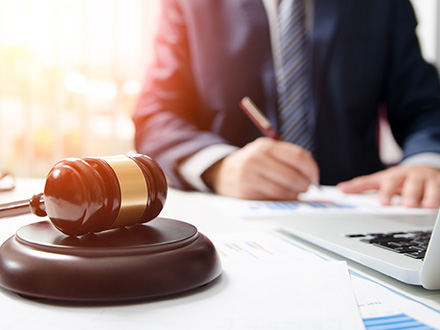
[
  {"x": 261, "y": 122},
  {"x": 258, "y": 118}
]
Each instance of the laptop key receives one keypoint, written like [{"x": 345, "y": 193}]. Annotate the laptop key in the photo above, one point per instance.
[
  {"x": 416, "y": 255},
  {"x": 412, "y": 244}
]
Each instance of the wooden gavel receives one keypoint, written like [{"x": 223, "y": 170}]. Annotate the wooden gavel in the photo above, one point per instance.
[{"x": 90, "y": 195}]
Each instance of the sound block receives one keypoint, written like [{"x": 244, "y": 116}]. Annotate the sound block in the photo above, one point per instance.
[{"x": 156, "y": 259}]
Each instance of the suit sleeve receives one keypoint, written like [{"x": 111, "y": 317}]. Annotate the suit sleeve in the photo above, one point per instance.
[
  {"x": 169, "y": 124},
  {"x": 413, "y": 95}
]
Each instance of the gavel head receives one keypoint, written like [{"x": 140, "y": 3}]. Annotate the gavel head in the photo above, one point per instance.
[{"x": 94, "y": 194}]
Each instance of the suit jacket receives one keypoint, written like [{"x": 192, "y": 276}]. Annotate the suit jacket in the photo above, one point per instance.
[{"x": 211, "y": 53}]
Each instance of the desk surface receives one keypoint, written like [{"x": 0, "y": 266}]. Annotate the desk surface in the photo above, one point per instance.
[
  {"x": 180, "y": 206},
  {"x": 185, "y": 206}
]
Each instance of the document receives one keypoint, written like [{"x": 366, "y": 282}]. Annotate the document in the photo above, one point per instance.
[
  {"x": 327, "y": 199},
  {"x": 277, "y": 286},
  {"x": 380, "y": 307},
  {"x": 266, "y": 284},
  {"x": 383, "y": 308}
]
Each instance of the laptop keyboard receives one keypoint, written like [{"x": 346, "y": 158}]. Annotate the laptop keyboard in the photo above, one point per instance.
[{"x": 412, "y": 244}]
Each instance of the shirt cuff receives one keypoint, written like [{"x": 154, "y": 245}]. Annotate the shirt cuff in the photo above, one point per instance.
[
  {"x": 430, "y": 159},
  {"x": 192, "y": 168}
]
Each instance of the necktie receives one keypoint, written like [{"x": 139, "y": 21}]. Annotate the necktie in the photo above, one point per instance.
[{"x": 293, "y": 81}]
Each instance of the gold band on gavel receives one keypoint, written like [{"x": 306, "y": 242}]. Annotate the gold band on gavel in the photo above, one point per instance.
[{"x": 134, "y": 193}]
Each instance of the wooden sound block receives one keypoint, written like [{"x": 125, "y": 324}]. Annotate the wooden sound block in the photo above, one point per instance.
[{"x": 150, "y": 260}]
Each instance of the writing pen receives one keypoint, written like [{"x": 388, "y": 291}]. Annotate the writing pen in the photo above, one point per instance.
[
  {"x": 258, "y": 118},
  {"x": 261, "y": 121}
]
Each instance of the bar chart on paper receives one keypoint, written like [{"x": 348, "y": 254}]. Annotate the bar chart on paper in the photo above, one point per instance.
[
  {"x": 380, "y": 307},
  {"x": 383, "y": 308},
  {"x": 316, "y": 200},
  {"x": 299, "y": 206},
  {"x": 278, "y": 286},
  {"x": 264, "y": 246},
  {"x": 398, "y": 321}
]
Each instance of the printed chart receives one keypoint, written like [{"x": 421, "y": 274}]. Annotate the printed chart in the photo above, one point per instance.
[
  {"x": 380, "y": 307},
  {"x": 316, "y": 200}
]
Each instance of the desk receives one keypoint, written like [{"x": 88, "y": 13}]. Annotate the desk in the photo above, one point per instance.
[
  {"x": 177, "y": 207},
  {"x": 180, "y": 205}
]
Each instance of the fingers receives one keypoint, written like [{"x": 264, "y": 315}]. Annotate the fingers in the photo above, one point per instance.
[
  {"x": 431, "y": 197},
  {"x": 418, "y": 185},
  {"x": 286, "y": 164},
  {"x": 421, "y": 188},
  {"x": 360, "y": 184},
  {"x": 276, "y": 170},
  {"x": 412, "y": 191},
  {"x": 242, "y": 178},
  {"x": 261, "y": 188},
  {"x": 298, "y": 158},
  {"x": 387, "y": 189},
  {"x": 283, "y": 175},
  {"x": 266, "y": 169}
]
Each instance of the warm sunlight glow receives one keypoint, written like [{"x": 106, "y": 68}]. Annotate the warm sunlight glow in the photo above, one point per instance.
[
  {"x": 75, "y": 82},
  {"x": 70, "y": 74}
]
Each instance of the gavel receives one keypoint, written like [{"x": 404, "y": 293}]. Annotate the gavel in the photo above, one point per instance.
[{"x": 90, "y": 195}]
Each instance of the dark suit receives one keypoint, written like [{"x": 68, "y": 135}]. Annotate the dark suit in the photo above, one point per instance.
[{"x": 211, "y": 53}]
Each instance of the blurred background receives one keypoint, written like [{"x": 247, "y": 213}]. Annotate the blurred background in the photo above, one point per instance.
[{"x": 71, "y": 71}]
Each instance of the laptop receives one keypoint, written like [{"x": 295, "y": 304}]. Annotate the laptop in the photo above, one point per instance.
[{"x": 405, "y": 247}]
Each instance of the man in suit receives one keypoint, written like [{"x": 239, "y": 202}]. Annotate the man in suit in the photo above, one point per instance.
[{"x": 364, "y": 55}]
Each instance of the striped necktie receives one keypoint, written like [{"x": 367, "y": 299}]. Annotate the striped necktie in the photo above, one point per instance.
[{"x": 293, "y": 80}]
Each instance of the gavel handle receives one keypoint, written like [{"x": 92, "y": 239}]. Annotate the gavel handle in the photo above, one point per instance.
[{"x": 34, "y": 205}]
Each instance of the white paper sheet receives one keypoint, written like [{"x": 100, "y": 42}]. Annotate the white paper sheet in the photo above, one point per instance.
[
  {"x": 383, "y": 308},
  {"x": 279, "y": 286},
  {"x": 326, "y": 200},
  {"x": 266, "y": 284}
]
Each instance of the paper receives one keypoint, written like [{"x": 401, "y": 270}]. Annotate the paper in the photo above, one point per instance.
[
  {"x": 316, "y": 200},
  {"x": 382, "y": 308},
  {"x": 278, "y": 286},
  {"x": 243, "y": 298},
  {"x": 266, "y": 284}
]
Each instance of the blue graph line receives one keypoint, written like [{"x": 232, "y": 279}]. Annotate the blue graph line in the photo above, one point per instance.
[
  {"x": 394, "y": 322},
  {"x": 368, "y": 325},
  {"x": 296, "y": 205},
  {"x": 282, "y": 205},
  {"x": 344, "y": 206}
]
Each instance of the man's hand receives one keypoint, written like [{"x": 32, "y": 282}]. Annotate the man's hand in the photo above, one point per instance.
[
  {"x": 264, "y": 169},
  {"x": 418, "y": 185}
]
